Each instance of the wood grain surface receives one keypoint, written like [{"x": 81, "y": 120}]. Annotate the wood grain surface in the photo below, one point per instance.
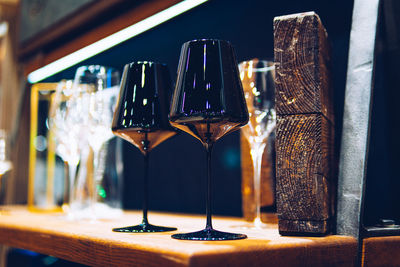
[
  {"x": 305, "y": 162},
  {"x": 302, "y": 60},
  {"x": 93, "y": 243},
  {"x": 303, "y": 185}
]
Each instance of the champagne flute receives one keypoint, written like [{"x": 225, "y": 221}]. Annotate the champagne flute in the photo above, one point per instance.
[
  {"x": 141, "y": 118},
  {"x": 259, "y": 89},
  {"x": 208, "y": 103}
]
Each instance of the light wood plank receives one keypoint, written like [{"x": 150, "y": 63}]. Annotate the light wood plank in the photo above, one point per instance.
[
  {"x": 381, "y": 251},
  {"x": 95, "y": 244}
]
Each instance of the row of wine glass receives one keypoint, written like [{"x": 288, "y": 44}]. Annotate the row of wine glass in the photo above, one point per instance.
[
  {"x": 208, "y": 102},
  {"x": 79, "y": 121}
]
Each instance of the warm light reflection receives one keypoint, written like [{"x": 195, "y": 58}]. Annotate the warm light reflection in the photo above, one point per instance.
[
  {"x": 112, "y": 40},
  {"x": 255, "y": 91},
  {"x": 241, "y": 75},
  {"x": 250, "y": 69},
  {"x": 143, "y": 75}
]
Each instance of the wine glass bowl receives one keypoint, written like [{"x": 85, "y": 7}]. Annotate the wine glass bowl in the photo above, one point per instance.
[
  {"x": 208, "y": 103},
  {"x": 202, "y": 105},
  {"x": 141, "y": 118},
  {"x": 257, "y": 78},
  {"x": 98, "y": 86},
  {"x": 93, "y": 78}
]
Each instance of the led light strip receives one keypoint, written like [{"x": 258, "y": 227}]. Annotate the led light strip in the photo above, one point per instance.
[{"x": 112, "y": 40}]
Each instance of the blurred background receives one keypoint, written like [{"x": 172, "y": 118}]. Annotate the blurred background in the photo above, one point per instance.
[{"x": 50, "y": 29}]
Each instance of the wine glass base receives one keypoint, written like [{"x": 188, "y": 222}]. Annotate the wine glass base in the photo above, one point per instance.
[
  {"x": 144, "y": 228},
  {"x": 209, "y": 235}
]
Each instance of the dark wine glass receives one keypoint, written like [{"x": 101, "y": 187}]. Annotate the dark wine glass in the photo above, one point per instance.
[
  {"x": 208, "y": 103},
  {"x": 141, "y": 118}
]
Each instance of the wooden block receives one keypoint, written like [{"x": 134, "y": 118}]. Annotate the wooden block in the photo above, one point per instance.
[
  {"x": 302, "y": 59},
  {"x": 305, "y": 127},
  {"x": 267, "y": 183},
  {"x": 304, "y": 183}
]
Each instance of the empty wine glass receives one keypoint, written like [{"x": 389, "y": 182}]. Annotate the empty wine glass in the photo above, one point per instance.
[
  {"x": 62, "y": 129},
  {"x": 94, "y": 105},
  {"x": 208, "y": 103},
  {"x": 141, "y": 118},
  {"x": 259, "y": 89}
]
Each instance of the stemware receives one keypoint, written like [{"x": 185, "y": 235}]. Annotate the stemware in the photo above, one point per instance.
[
  {"x": 61, "y": 127},
  {"x": 94, "y": 103},
  {"x": 258, "y": 84},
  {"x": 141, "y": 118},
  {"x": 208, "y": 103}
]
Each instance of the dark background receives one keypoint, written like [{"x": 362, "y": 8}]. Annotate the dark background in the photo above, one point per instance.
[
  {"x": 177, "y": 176},
  {"x": 383, "y": 180}
]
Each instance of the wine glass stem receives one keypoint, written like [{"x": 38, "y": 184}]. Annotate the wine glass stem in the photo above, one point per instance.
[
  {"x": 98, "y": 172},
  {"x": 208, "y": 199},
  {"x": 145, "y": 188},
  {"x": 257, "y": 151},
  {"x": 71, "y": 178},
  {"x": 95, "y": 178}
]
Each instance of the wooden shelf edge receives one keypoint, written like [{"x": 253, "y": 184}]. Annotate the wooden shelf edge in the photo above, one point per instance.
[{"x": 93, "y": 243}]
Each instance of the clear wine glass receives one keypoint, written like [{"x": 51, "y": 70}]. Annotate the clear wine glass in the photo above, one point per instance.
[
  {"x": 98, "y": 89},
  {"x": 141, "y": 118},
  {"x": 91, "y": 108},
  {"x": 208, "y": 103},
  {"x": 61, "y": 127},
  {"x": 78, "y": 121},
  {"x": 259, "y": 89}
]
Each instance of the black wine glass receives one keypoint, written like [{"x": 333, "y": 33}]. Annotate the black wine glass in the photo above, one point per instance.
[
  {"x": 208, "y": 103},
  {"x": 141, "y": 118}
]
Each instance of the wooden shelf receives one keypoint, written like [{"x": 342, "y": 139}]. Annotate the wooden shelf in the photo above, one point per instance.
[
  {"x": 94, "y": 243},
  {"x": 381, "y": 251}
]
